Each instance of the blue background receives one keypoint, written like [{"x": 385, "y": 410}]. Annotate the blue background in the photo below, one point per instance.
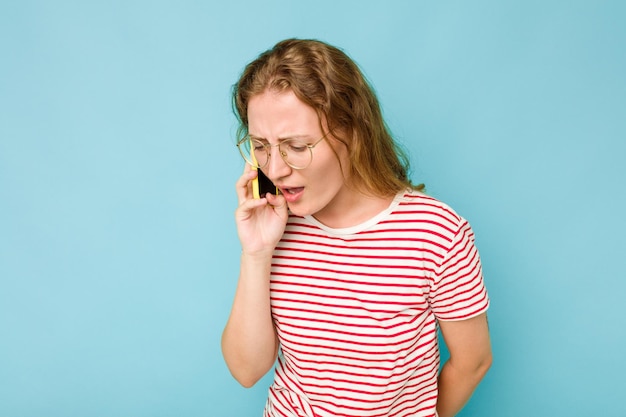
[{"x": 118, "y": 250}]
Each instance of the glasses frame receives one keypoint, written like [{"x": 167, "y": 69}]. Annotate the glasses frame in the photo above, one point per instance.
[{"x": 268, "y": 147}]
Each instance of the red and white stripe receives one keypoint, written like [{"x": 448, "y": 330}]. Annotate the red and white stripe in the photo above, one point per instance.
[{"x": 356, "y": 310}]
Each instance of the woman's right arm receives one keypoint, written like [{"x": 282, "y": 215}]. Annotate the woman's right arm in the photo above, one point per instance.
[{"x": 249, "y": 341}]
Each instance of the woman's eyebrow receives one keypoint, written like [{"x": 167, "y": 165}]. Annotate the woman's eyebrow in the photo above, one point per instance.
[{"x": 283, "y": 138}]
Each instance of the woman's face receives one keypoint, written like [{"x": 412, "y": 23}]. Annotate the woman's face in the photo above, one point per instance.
[{"x": 319, "y": 189}]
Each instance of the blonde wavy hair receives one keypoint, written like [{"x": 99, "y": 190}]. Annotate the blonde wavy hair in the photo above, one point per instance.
[{"x": 325, "y": 78}]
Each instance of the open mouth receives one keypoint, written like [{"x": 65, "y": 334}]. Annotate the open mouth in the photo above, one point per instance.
[
  {"x": 292, "y": 190},
  {"x": 292, "y": 194}
]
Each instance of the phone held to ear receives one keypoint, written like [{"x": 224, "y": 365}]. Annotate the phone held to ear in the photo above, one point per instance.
[{"x": 262, "y": 185}]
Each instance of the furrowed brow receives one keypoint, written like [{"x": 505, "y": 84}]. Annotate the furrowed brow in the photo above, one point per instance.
[{"x": 301, "y": 137}]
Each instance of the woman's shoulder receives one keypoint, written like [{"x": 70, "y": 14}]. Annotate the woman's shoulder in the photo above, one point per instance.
[{"x": 417, "y": 202}]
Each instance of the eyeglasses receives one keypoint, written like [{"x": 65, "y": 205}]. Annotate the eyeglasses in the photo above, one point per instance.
[{"x": 296, "y": 153}]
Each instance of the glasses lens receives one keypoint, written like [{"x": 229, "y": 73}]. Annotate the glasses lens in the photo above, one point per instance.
[
  {"x": 253, "y": 151},
  {"x": 296, "y": 153}
]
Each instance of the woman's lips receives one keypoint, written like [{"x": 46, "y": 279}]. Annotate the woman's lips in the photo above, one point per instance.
[{"x": 292, "y": 194}]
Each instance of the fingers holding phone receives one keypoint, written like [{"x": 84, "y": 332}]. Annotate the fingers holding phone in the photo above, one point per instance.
[
  {"x": 262, "y": 214},
  {"x": 245, "y": 184}
]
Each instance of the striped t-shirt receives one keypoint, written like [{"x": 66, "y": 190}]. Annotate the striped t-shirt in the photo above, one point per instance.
[{"x": 356, "y": 309}]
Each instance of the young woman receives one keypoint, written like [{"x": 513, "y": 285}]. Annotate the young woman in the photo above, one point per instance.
[{"x": 348, "y": 272}]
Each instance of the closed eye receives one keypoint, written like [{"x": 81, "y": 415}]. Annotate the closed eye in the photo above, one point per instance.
[
  {"x": 295, "y": 146},
  {"x": 258, "y": 145}
]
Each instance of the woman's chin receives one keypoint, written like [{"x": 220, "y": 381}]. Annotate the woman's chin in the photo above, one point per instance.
[{"x": 297, "y": 210}]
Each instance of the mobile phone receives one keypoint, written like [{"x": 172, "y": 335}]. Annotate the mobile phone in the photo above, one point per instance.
[{"x": 262, "y": 185}]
